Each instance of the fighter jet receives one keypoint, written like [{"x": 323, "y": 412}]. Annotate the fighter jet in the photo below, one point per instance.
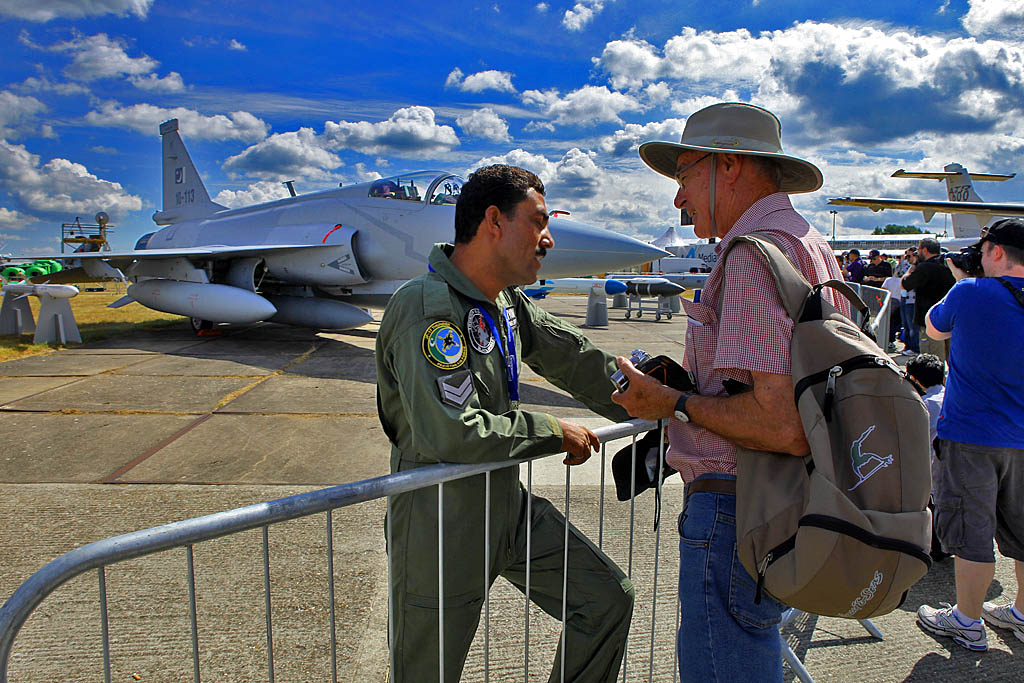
[
  {"x": 313, "y": 260},
  {"x": 970, "y": 213}
]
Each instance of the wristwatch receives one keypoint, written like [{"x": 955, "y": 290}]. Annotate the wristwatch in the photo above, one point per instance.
[{"x": 680, "y": 410}]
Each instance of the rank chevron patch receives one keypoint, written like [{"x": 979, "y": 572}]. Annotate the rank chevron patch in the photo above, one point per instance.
[{"x": 456, "y": 388}]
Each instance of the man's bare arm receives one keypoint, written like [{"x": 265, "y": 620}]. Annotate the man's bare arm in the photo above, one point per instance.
[{"x": 764, "y": 418}]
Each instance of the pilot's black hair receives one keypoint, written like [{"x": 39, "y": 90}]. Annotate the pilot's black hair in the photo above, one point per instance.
[
  {"x": 928, "y": 369},
  {"x": 499, "y": 185}
]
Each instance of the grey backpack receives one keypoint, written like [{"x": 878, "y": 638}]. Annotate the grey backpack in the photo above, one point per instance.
[{"x": 845, "y": 531}]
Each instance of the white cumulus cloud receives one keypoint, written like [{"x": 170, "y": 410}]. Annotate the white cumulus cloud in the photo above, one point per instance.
[
  {"x": 484, "y": 123},
  {"x": 628, "y": 138},
  {"x": 480, "y": 81},
  {"x": 100, "y": 56},
  {"x": 285, "y": 156},
  {"x": 256, "y": 193},
  {"x": 170, "y": 83},
  {"x": 589, "y": 104},
  {"x": 60, "y": 186},
  {"x": 45, "y": 10},
  {"x": 581, "y": 14},
  {"x": 236, "y": 45},
  {"x": 12, "y": 220},
  {"x": 146, "y": 119},
  {"x": 1004, "y": 18},
  {"x": 17, "y": 113},
  {"x": 409, "y": 132}
]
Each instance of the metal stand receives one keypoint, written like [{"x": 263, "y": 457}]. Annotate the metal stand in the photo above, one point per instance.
[
  {"x": 16, "y": 315},
  {"x": 597, "y": 308},
  {"x": 790, "y": 657},
  {"x": 620, "y": 301},
  {"x": 56, "y": 321},
  {"x": 662, "y": 306}
]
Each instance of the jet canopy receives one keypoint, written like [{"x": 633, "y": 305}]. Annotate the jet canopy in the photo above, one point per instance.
[{"x": 433, "y": 187}]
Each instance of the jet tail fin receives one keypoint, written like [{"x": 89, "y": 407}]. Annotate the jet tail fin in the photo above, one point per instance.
[
  {"x": 185, "y": 196},
  {"x": 960, "y": 188}
]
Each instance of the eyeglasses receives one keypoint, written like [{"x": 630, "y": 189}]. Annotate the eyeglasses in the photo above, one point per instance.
[{"x": 681, "y": 172}]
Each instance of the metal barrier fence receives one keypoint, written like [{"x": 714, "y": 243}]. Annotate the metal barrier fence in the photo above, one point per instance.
[{"x": 185, "y": 534}]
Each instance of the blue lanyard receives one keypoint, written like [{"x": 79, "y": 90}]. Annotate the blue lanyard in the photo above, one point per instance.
[{"x": 507, "y": 349}]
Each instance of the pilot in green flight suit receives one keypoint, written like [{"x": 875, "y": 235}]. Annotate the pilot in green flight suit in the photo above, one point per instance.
[{"x": 446, "y": 394}]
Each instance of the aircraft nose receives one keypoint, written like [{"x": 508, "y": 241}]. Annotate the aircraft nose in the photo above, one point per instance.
[{"x": 582, "y": 249}]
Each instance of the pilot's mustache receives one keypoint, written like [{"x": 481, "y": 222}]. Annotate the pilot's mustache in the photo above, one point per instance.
[{"x": 541, "y": 251}]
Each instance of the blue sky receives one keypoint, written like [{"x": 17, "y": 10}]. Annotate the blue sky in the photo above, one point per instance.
[{"x": 323, "y": 93}]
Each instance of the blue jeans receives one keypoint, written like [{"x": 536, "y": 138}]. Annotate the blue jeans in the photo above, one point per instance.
[
  {"x": 911, "y": 338},
  {"x": 723, "y": 635}
]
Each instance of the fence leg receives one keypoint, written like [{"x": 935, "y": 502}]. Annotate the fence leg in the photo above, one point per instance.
[
  {"x": 104, "y": 629},
  {"x": 266, "y": 601},
  {"x": 192, "y": 612}
]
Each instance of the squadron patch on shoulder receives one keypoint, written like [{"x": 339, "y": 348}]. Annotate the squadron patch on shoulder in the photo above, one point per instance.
[
  {"x": 479, "y": 332},
  {"x": 443, "y": 345},
  {"x": 456, "y": 388}
]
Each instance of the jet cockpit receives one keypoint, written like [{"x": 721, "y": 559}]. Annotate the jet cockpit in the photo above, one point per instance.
[{"x": 433, "y": 187}]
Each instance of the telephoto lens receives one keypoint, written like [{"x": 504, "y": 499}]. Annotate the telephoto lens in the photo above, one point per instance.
[{"x": 969, "y": 261}]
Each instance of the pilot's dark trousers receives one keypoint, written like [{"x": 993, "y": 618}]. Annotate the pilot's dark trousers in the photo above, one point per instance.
[{"x": 599, "y": 602}]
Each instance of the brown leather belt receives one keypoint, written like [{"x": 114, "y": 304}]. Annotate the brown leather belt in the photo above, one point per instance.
[{"x": 711, "y": 486}]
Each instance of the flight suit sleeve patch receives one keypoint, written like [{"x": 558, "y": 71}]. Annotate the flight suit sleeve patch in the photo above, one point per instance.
[
  {"x": 456, "y": 388},
  {"x": 443, "y": 345}
]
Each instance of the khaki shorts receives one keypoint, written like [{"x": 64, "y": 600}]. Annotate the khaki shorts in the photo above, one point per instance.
[{"x": 980, "y": 496}]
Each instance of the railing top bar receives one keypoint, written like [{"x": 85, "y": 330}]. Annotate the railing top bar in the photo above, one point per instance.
[{"x": 190, "y": 531}]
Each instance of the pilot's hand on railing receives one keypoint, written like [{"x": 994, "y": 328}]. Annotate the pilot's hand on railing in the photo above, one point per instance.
[
  {"x": 645, "y": 397},
  {"x": 577, "y": 442}
]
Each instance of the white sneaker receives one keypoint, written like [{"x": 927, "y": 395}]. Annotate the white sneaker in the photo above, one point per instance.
[
  {"x": 942, "y": 622},
  {"x": 1001, "y": 616},
  {"x": 908, "y": 352}
]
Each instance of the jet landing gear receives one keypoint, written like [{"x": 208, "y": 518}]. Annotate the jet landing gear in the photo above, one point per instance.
[{"x": 203, "y": 328}]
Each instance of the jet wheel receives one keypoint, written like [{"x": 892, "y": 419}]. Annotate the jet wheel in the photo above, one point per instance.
[{"x": 199, "y": 325}]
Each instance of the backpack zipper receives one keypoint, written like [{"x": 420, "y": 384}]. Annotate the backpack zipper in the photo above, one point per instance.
[
  {"x": 866, "y": 360},
  {"x": 766, "y": 561},
  {"x": 839, "y": 526}
]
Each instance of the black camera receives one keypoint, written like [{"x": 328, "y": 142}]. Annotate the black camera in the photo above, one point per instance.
[
  {"x": 969, "y": 261},
  {"x": 661, "y": 368}
]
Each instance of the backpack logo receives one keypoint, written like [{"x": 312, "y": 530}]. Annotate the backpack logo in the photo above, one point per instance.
[
  {"x": 861, "y": 459},
  {"x": 864, "y": 597}
]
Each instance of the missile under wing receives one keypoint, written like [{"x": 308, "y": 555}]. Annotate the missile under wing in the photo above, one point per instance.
[{"x": 314, "y": 260}]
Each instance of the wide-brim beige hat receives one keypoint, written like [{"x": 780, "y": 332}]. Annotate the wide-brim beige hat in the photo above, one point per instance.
[{"x": 740, "y": 129}]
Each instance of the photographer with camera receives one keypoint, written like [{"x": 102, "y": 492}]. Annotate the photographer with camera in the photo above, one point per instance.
[
  {"x": 929, "y": 279},
  {"x": 980, "y": 479}
]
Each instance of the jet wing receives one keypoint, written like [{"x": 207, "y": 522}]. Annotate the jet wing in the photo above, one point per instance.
[
  {"x": 119, "y": 259},
  {"x": 929, "y": 207}
]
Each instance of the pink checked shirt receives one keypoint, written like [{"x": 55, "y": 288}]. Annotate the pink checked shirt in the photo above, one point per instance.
[{"x": 751, "y": 330}]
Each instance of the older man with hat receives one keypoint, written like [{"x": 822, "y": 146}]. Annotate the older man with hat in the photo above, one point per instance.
[
  {"x": 979, "y": 485},
  {"x": 734, "y": 179}
]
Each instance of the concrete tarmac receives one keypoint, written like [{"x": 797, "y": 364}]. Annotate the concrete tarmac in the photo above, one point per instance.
[{"x": 158, "y": 426}]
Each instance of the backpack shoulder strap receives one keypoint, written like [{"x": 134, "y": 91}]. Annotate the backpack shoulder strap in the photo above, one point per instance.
[
  {"x": 1017, "y": 293},
  {"x": 794, "y": 290}
]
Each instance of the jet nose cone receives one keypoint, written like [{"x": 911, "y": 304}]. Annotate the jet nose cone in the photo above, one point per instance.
[{"x": 582, "y": 249}]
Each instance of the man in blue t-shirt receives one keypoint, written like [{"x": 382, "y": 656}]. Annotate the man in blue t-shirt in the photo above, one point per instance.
[{"x": 980, "y": 482}]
